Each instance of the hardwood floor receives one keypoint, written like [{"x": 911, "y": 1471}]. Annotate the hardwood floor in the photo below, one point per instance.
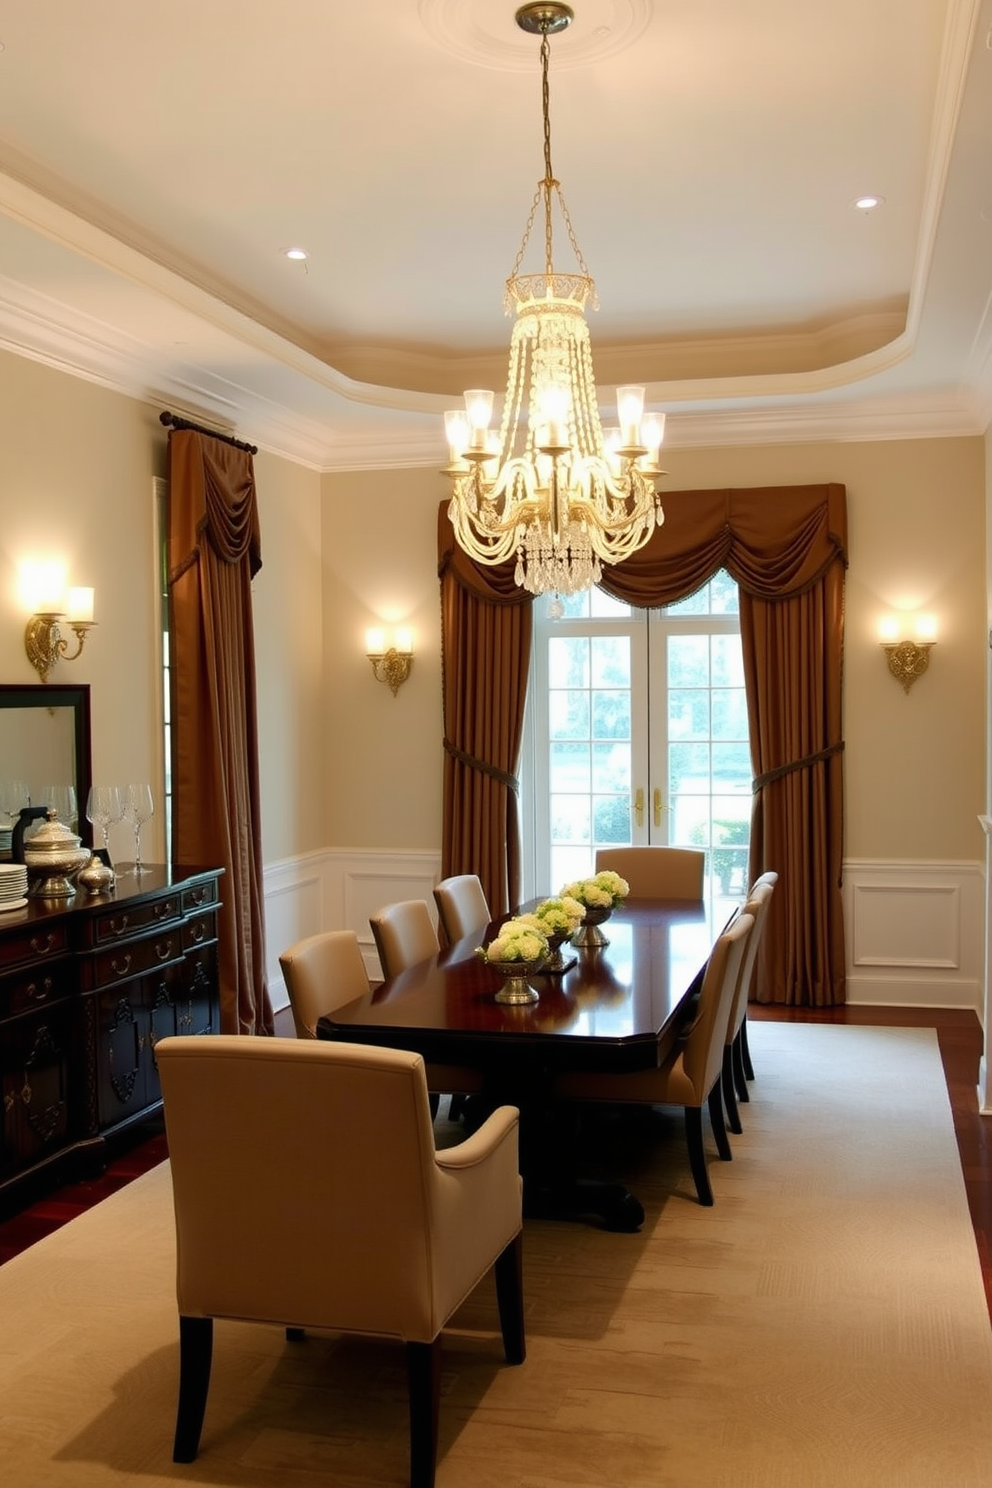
[{"x": 959, "y": 1036}]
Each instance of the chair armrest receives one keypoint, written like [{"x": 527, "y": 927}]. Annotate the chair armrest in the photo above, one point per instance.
[{"x": 479, "y": 1146}]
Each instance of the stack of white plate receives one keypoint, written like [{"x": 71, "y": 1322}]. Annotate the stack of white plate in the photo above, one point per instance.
[{"x": 13, "y": 886}]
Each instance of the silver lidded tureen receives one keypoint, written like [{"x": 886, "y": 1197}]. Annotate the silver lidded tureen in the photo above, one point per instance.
[{"x": 51, "y": 856}]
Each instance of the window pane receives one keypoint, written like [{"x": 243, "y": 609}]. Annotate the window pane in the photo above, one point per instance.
[
  {"x": 611, "y": 715},
  {"x": 728, "y": 662},
  {"x": 610, "y": 661},
  {"x": 605, "y": 607},
  {"x": 689, "y": 661},
  {"x": 611, "y": 819},
  {"x": 569, "y": 818},
  {"x": 729, "y": 714},
  {"x": 570, "y": 767},
  {"x": 696, "y": 604},
  {"x": 568, "y": 661},
  {"x": 689, "y": 714},
  {"x": 611, "y": 768},
  {"x": 723, "y": 594},
  {"x": 689, "y": 769},
  {"x": 732, "y": 768},
  {"x": 568, "y": 714}
]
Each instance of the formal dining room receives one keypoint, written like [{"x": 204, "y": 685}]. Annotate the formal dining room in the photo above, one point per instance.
[{"x": 495, "y": 752}]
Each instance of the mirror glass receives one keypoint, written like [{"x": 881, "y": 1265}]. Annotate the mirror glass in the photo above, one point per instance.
[{"x": 44, "y": 755}]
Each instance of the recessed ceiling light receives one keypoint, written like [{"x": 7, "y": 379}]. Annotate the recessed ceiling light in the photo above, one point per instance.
[
  {"x": 867, "y": 203},
  {"x": 296, "y": 253}
]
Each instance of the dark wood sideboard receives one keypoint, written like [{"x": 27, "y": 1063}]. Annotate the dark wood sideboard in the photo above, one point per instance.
[{"x": 88, "y": 985}]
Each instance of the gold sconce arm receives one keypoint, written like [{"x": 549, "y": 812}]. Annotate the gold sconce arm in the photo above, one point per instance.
[
  {"x": 391, "y": 667},
  {"x": 45, "y": 644},
  {"x": 907, "y": 660}
]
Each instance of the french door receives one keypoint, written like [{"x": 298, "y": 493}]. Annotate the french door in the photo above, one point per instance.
[{"x": 637, "y": 733}]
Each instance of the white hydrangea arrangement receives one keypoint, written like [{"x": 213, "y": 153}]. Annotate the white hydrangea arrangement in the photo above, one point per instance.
[
  {"x": 518, "y": 940},
  {"x": 558, "y": 916},
  {"x": 604, "y": 890}
]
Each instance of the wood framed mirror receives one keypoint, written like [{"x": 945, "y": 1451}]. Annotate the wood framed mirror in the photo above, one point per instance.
[{"x": 45, "y": 750}]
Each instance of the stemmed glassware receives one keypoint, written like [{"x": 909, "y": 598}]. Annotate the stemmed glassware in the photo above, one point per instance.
[
  {"x": 103, "y": 808},
  {"x": 138, "y": 807}
]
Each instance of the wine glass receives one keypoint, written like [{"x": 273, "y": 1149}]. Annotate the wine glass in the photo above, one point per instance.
[
  {"x": 103, "y": 808},
  {"x": 138, "y": 807}
]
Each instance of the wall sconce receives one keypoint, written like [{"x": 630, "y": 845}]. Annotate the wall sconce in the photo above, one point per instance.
[
  {"x": 390, "y": 663},
  {"x": 43, "y": 640},
  {"x": 908, "y": 657}
]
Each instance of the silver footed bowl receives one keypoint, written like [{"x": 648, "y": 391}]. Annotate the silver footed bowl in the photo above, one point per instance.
[
  {"x": 516, "y": 988},
  {"x": 589, "y": 933}
]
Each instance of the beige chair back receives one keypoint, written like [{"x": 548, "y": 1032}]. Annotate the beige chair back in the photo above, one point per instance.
[
  {"x": 462, "y": 906},
  {"x": 756, "y": 906},
  {"x": 701, "y": 1058},
  {"x": 308, "y": 1191},
  {"x": 322, "y": 973},
  {"x": 404, "y": 934},
  {"x": 657, "y": 872}
]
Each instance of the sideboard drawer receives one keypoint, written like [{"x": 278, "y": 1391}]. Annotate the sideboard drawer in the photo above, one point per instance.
[
  {"x": 199, "y": 930},
  {"x": 35, "y": 943},
  {"x": 118, "y": 924},
  {"x": 196, "y": 896},
  {"x": 37, "y": 987},
  {"x": 137, "y": 957}
]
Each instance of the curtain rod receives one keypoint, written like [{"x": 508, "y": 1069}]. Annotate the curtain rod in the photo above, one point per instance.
[{"x": 182, "y": 423}]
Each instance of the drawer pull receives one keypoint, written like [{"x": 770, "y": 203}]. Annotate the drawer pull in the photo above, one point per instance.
[
  {"x": 121, "y": 970},
  {"x": 42, "y": 948},
  {"x": 163, "y": 951},
  {"x": 199, "y": 896},
  {"x": 118, "y": 927},
  {"x": 197, "y": 932},
  {"x": 165, "y": 910},
  {"x": 37, "y": 992}
]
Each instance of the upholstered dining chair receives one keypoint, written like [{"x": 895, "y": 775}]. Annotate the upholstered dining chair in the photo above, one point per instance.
[
  {"x": 322, "y": 973},
  {"x": 743, "y": 1052},
  {"x": 657, "y": 872},
  {"x": 461, "y": 905},
  {"x": 308, "y": 1193},
  {"x": 404, "y": 934},
  {"x": 690, "y": 1073},
  {"x": 733, "y": 1080}
]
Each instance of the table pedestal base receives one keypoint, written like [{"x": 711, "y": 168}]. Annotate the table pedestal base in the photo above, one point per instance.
[{"x": 582, "y": 1198}]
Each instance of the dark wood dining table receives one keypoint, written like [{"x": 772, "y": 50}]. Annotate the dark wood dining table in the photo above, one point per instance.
[{"x": 617, "y": 1008}]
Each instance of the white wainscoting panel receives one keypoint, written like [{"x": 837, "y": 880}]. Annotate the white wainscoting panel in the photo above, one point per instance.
[
  {"x": 337, "y": 890},
  {"x": 915, "y": 933}
]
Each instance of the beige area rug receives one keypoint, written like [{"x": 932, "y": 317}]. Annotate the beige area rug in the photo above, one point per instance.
[{"x": 823, "y": 1324}]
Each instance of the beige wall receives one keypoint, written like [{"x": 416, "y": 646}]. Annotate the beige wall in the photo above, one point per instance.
[
  {"x": 347, "y": 765},
  {"x": 76, "y": 469},
  {"x": 915, "y": 764},
  {"x": 383, "y": 753}
]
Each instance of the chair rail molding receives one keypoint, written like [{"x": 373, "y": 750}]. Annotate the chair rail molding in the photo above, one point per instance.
[
  {"x": 337, "y": 889},
  {"x": 915, "y": 933}
]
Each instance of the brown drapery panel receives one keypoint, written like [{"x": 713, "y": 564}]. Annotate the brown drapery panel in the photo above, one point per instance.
[
  {"x": 787, "y": 549},
  {"x": 485, "y": 646},
  {"x": 214, "y": 552}
]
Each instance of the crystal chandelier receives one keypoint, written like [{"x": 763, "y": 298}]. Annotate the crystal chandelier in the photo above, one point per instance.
[{"x": 548, "y": 485}]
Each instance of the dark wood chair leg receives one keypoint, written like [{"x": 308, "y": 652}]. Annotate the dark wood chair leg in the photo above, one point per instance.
[
  {"x": 423, "y": 1363},
  {"x": 697, "y": 1156},
  {"x": 715, "y": 1103},
  {"x": 510, "y": 1300},
  {"x": 729, "y": 1094},
  {"x": 745, "y": 1051},
  {"x": 737, "y": 1059},
  {"x": 295, "y": 1335},
  {"x": 196, "y": 1343},
  {"x": 434, "y": 1101}
]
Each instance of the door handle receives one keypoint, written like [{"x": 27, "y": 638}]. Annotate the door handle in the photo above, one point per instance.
[
  {"x": 658, "y": 806},
  {"x": 639, "y": 806}
]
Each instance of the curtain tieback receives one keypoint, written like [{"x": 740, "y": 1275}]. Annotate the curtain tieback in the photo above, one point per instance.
[
  {"x": 473, "y": 763},
  {"x": 770, "y": 776}
]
